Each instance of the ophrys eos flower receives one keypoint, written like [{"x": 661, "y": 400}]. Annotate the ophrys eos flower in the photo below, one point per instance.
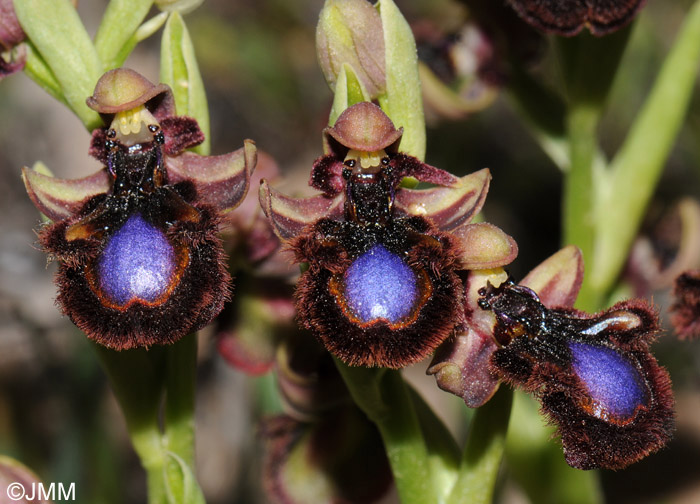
[
  {"x": 140, "y": 262},
  {"x": 382, "y": 286}
]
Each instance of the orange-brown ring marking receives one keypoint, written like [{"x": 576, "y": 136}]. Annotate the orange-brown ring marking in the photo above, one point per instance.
[
  {"x": 589, "y": 406},
  {"x": 336, "y": 286},
  {"x": 183, "y": 255}
]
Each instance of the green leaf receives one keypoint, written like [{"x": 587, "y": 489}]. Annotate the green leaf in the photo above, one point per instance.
[
  {"x": 348, "y": 91},
  {"x": 119, "y": 24},
  {"x": 634, "y": 172},
  {"x": 37, "y": 70},
  {"x": 179, "y": 69},
  {"x": 484, "y": 451},
  {"x": 403, "y": 101},
  {"x": 58, "y": 34},
  {"x": 181, "y": 486}
]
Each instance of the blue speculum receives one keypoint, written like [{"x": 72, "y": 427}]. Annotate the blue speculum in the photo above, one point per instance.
[
  {"x": 614, "y": 383},
  {"x": 138, "y": 262},
  {"x": 380, "y": 285}
]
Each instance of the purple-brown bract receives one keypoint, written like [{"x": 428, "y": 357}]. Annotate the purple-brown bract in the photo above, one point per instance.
[{"x": 593, "y": 374}]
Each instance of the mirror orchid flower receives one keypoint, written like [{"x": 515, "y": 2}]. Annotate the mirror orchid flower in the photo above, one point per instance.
[
  {"x": 593, "y": 374},
  {"x": 139, "y": 259},
  {"x": 382, "y": 287}
]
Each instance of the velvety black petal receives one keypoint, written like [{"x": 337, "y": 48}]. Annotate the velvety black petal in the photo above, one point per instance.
[{"x": 594, "y": 374}]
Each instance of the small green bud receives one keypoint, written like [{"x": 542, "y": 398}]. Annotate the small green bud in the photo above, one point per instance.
[{"x": 350, "y": 32}]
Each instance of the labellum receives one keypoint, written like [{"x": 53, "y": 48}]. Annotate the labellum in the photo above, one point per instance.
[{"x": 593, "y": 374}]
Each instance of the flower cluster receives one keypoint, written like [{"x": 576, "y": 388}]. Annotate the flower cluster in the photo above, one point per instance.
[{"x": 140, "y": 262}]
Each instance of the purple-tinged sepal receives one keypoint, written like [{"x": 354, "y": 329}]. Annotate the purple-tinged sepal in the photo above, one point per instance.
[
  {"x": 222, "y": 181},
  {"x": 461, "y": 365},
  {"x": 58, "y": 199},
  {"x": 593, "y": 374},
  {"x": 290, "y": 216},
  {"x": 450, "y": 206}
]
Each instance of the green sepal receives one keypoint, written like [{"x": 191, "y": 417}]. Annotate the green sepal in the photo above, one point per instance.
[
  {"x": 403, "y": 101},
  {"x": 58, "y": 34},
  {"x": 119, "y": 24},
  {"x": 179, "y": 69}
]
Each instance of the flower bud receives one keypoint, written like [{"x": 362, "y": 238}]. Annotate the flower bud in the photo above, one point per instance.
[{"x": 350, "y": 32}]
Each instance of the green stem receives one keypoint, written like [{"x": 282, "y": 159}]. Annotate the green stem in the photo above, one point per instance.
[
  {"x": 135, "y": 376},
  {"x": 589, "y": 65},
  {"x": 484, "y": 451},
  {"x": 386, "y": 400},
  {"x": 635, "y": 170},
  {"x": 180, "y": 384},
  {"x": 578, "y": 219}
]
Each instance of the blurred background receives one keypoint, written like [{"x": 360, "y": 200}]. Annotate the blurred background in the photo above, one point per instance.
[{"x": 258, "y": 60}]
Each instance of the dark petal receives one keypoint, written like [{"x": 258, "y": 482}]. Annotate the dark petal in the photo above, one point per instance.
[
  {"x": 404, "y": 324},
  {"x": 98, "y": 145},
  {"x": 564, "y": 17},
  {"x": 220, "y": 181},
  {"x": 686, "y": 306},
  {"x": 181, "y": 132},
  {"x": 289, "y": 216},
  {"x": 447, "y": 207},
  {"x": 609, "y": 15},
  {"x": 58, "y": 198},
  {"x": 409, "y": 166},
  {"x": 594, "y": 375},
  {"x": 327, "y": 175},
  {"x": 197, "y": 282}
]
